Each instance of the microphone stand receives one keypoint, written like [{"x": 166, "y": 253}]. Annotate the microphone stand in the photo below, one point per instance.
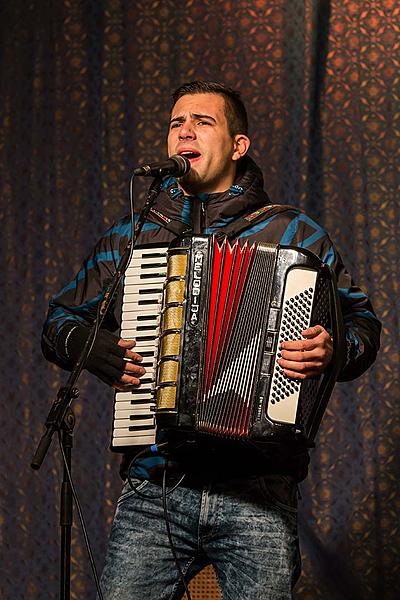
[{"x": 61, "y": 417}]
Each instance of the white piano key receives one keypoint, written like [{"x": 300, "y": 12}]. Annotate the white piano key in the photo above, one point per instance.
[
  {"x": 141, "y": 421},
  {"x": 144, "y": 344},
  {"x": 147, "y": 264},
  {"x": 128, "y": 407},
  {"x": 141, "y": 307},
  {"x": 149, "y": 251},
  {"x": 147, "y": 335},
  {"x": 141, "y": 331},
  {"x": 138, "y": 272},
  {"x": 144, "y": 288},
  {"x": 127, "y": 332},
  {"x": 136, "y": 439},
  {"x": 141, "y": 259},
  {"x": 140, "y": 265},
  {"x": 144, "y": 276},
  {"x": 128, "y": 324},
  {"x": 125, "y": 432},
  {"x": 144, "y": 404},
  {"x": 134, "y": 297},
  {"x": 136, "y": 396},
  {"x": 134, "y": 315},
  {"x": 141, "y": 311},
  {"x": 126, "y": 416},
  {"x": 146, "y": 340},
  {"x": 155, "y": 280},
  {"x": 149, "y": 311},
  {"x": 131, "y": 321},
  {"x": 148, "y": 362}
]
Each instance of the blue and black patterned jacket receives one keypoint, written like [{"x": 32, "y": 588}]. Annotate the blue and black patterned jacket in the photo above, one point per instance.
[{"x": 77, "y": 301}]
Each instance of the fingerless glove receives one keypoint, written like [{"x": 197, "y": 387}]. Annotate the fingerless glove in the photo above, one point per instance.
[{"x": 106, "y": 360}]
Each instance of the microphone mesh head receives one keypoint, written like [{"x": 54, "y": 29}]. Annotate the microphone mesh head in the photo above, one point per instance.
[{"x": 182, "y": 163}]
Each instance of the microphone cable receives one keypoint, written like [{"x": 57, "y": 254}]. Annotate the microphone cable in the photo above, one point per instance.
[
  {"x": 168, "y": 527},
  {"x": 67, "y": 470},
  {"x": 153, "y": 449},
  {"x": 81, "y": 519}
]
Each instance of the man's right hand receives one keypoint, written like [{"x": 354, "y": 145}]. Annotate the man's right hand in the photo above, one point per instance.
[
  {"x": 133, "y": 370},
  {"x": 112, "y": 359}
]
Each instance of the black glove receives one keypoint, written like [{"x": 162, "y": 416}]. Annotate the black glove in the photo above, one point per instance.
[{"x": 106, "y": 359}]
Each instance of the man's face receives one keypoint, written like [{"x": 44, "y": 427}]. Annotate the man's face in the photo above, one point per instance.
[{"x": 199, "y": 130}]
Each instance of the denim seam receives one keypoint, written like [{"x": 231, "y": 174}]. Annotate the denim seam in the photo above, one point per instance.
[
  {"x": 204, "y": 504},
  {"x": 131, "y": 492}
]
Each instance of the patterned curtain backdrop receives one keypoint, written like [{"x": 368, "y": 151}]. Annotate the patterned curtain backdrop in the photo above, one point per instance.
[{"x": 85, "y": 89}]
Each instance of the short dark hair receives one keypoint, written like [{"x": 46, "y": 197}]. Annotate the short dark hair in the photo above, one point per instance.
[{"x": 235, "y": 110}]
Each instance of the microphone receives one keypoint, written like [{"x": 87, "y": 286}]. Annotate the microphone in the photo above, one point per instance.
[{"x": 176, "y": 165}]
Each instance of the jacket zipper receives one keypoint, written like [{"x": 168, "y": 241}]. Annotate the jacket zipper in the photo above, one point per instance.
[
  {"x": 199, "y": 214},
  {"x": 202, "y": 216}
]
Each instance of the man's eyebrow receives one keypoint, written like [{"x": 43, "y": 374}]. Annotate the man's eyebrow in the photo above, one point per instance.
[
  {"x": 193, "y": 116},
  {"x": 198, "y": 116}
]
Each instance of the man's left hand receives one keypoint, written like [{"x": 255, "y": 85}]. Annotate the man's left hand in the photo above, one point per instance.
[{"x": 303, "y": 359}]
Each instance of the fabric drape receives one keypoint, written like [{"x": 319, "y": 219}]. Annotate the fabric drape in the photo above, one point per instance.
[{"x": 85, "y": 90}]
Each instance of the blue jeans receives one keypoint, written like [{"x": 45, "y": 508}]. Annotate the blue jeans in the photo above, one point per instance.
[{"x": 246, "y": 528}]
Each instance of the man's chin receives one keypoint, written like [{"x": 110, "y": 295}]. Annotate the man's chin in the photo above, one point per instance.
[{"x": 191, "y": 182}]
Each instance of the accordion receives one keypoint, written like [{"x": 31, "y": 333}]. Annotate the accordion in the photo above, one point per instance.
[{"x": 222, "y": 312}]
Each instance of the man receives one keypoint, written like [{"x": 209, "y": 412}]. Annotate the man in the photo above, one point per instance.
[{"x": 236, "y": 507}]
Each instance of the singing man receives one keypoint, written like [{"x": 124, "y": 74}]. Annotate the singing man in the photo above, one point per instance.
[{"x": 236, "y": 507}]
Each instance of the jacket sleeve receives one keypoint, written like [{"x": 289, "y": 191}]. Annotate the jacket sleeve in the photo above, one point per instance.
[
  {"x": 362, "y": 326},
  {"x": 77, "y": 302}
]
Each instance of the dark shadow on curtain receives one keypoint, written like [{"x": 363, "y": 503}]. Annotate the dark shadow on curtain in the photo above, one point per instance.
[{"x": 320, "y": 46}]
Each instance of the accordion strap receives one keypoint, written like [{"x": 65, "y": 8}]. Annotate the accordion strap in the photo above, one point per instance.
[
  {"x": 176, "y": 227},
  {"x": 233, "y": 229}
]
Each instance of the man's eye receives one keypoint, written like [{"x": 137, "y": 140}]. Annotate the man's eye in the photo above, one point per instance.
[{"x": 203, "y": 123}]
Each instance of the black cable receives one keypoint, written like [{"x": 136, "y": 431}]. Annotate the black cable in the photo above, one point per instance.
[
  {"x": 170, "y": 540},
  {"x": 81, "y": 519},
  {"x": 153, "y": 449},
  {"x": 164, "y": 493},
  {"x": 132, "y": 213}
]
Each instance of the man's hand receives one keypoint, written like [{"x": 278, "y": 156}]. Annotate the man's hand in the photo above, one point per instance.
[
  {"x": 111, "y": 359},
  {"x": 303, "y": 359},
  {"x": 132, "y": 370}
]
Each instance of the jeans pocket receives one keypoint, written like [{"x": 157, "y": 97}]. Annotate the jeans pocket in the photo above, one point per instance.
[
  {"x": 128, "y": 491},
  {"x": 280, "y": 491}
]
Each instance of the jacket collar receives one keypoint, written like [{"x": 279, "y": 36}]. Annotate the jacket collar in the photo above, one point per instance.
[{"x": 244, "y": 196}]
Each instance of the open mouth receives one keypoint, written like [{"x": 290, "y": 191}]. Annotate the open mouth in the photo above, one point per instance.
[{"x": 191, "y": 155}]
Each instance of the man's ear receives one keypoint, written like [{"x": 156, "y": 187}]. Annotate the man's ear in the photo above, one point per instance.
[{"x": 241, "y": 144}]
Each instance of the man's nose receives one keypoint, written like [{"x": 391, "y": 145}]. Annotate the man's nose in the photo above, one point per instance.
[{"x": 186, "y": 131}]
